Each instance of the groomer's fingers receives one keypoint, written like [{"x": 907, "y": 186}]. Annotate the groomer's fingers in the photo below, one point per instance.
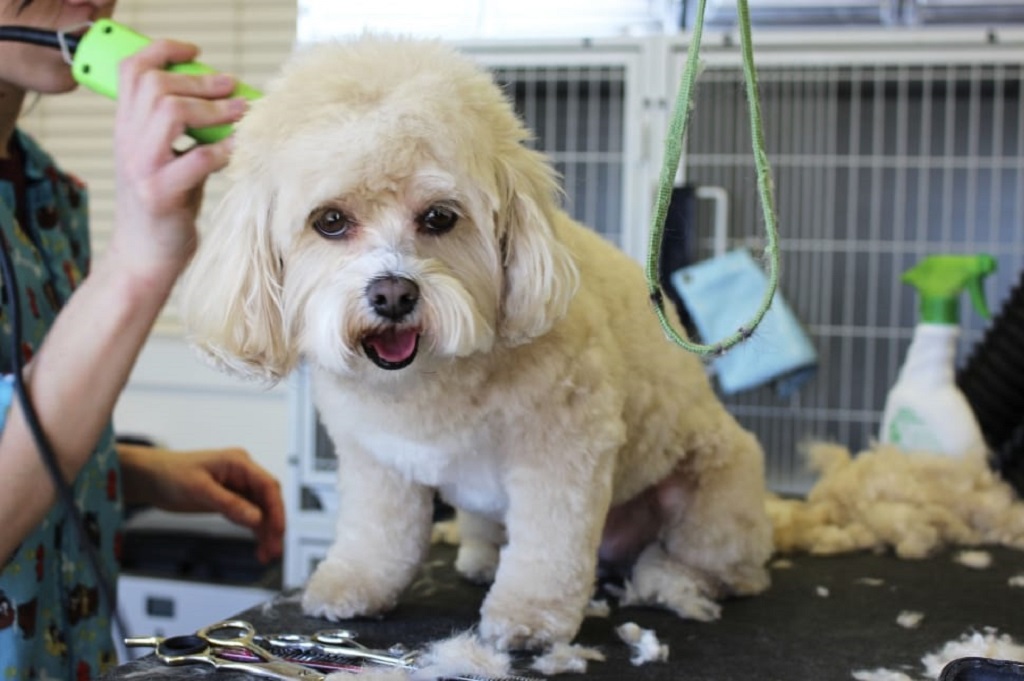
[
  {"x": 199, "y": 85},
  {"x": 239, "y": 473},
  {"x": 147, "y": 90},
  {"x": 157, "y": 55},
  {"x": 271, "y": 531},
  {"x": 258, "y": 518},
  {"x": 264, "y": 490},
  {"x": 269, "y": 546},
  {"x": 189, "y": 170},
  {"x": 234, "y": 507},
  {"x": 178, "y": 112},
  {"x": 153, "y": 88},
  {"x": 145, "y": 74}
]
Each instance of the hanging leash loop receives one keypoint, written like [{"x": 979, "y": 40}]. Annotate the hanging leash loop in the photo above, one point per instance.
[{"x": 673, "y": 154}]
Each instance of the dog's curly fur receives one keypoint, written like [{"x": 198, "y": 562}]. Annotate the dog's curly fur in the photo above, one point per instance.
[{"x": 387, "y": 224}]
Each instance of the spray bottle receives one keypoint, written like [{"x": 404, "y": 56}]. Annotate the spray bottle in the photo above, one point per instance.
[{"x": 925, "y": 410}]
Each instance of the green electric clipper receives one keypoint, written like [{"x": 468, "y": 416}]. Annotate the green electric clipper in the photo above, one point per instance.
[
  {"x": 94, "y": 58},
  {"x": 97, "y": 54}
]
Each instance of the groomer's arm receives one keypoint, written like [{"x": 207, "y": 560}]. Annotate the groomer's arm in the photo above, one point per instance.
[{"x": 79, "y": 371}]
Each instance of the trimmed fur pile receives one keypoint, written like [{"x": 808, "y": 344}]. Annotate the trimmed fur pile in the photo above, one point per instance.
[
  {"x": 988, "y": 643},
  {"x": 885, "y": 498}
]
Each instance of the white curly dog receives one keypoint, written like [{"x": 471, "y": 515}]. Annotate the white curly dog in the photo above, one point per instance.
[{"x": 386, "y": 223}]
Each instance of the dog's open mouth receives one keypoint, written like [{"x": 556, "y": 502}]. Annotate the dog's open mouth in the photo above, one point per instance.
[{"x": 392, "y": 349}]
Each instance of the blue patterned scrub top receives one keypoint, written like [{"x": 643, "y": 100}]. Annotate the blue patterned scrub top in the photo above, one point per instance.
[{"x": 52, "y": 621}]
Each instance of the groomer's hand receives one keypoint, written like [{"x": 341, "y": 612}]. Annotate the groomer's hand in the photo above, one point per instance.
[
  {"x": 159, "y": 190},
  {"x": 225, "y": 481}
]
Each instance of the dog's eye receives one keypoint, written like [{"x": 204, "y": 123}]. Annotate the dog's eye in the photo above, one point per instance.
[
  {"x": 332, "y": 223},
  {"x": 438, "y": 219}
]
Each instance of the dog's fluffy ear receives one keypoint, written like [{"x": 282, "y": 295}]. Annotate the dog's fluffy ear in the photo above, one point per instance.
[
  {"x": 231, "y": 300},
  {"x": 540, "y": 273}
]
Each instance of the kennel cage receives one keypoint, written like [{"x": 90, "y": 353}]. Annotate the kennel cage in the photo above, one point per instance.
[{"x": 885, "y": 146}]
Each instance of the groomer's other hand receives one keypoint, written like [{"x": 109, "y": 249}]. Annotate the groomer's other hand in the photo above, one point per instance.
[
  {"x": 225, "y": 481},
  {"x": 159, "y": 191}
]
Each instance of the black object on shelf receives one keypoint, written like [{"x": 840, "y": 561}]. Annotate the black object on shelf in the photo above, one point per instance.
[
  {"x": 992, "y": 380},
  {"x": 679, "y": 248},
  {"x": 195, "y": 547},
  {"x": 1008, "y": 460}
]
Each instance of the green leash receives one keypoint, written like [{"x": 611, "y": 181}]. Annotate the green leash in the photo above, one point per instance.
[{"x": 673, "y": 153}]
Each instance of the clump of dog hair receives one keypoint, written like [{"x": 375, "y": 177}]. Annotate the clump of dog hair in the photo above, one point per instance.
[
  {"x": 914, "y": 503},
  {"x": 988, "y": 643},
  {"x": 598, "y": 607},
  {"x": 910, "y": 619},
  {"x": 644, "y": 642},
  {"x": 463, "y": 654},
  {"x": 976, "y": 560},
  {"x": 566, "y": 657},
  {"x": 880, "y": 675}
]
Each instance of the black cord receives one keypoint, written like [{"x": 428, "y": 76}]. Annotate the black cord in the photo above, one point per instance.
[
  {"x": 38, "y": 36},
  {"x": 64, "y": 492}
]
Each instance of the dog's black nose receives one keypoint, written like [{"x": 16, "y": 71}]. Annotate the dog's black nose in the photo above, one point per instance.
[{"x": 393, "y": 297}]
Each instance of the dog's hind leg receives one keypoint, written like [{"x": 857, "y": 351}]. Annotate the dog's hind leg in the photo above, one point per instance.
[
  {"x": 659, "y": 579},
  {"x": 716, "y": 539},
  {"x": 480, "y": 540},
  {"x": 381, "y": 539}
]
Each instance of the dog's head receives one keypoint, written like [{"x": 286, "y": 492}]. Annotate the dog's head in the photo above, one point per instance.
[{"x": 382, "y": 211}]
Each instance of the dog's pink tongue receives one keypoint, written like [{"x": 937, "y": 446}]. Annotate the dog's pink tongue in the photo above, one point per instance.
[{"x": 394, "y": 346}]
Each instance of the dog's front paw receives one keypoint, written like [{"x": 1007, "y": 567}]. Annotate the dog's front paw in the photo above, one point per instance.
[
  {"x": 335, "y": 591},
  {"x": 527, "y": 624}
]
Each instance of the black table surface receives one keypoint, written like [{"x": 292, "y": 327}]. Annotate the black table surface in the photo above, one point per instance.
[{"x": 822, "y": 619}]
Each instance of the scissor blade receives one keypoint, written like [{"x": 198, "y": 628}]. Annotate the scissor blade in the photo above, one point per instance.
[
  {"x": 311, "y": 657},
  {"x": 276, "y": 669}
]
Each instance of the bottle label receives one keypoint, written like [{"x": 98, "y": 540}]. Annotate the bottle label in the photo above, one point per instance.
[{"x": 909, "y": 431}]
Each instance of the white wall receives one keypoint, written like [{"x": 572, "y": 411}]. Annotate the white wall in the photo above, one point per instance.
[{"x": 175, "y": 398}]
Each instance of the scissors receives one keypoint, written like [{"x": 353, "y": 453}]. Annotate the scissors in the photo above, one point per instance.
[
  {"x": 226, "y": 645},
  {"x": 342, "y": 643}
]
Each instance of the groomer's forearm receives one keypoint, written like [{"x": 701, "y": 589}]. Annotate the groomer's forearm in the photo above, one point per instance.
[{"x": 74, "y": 380}]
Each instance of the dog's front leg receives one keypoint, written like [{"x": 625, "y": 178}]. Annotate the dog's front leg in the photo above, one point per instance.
[
  {"x": 382, "y": 537},
  {"x": 546, "y": 572}
]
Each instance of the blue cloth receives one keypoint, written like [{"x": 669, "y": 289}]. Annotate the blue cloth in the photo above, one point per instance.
[
  {"x": 52, "y": 623},
  {"x": 6, "y": 395},
  {"x": 723, "y": 293}
]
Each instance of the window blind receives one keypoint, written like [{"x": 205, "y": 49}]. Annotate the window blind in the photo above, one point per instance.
[{"x": 248, "y": 38}]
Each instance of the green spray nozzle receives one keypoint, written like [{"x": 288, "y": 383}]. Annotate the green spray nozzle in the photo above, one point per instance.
[{"x": 940, "y": 279}]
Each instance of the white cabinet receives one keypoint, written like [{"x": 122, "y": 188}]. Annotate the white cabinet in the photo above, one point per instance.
[{"x": 154, "y": 606}]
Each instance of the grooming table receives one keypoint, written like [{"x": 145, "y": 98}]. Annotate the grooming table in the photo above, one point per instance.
[{"x": 822, "y": 619}]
